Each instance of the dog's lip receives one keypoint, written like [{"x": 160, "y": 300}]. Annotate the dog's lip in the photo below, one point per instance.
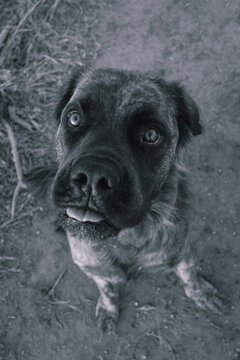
[{"x": 84, "y": 215}]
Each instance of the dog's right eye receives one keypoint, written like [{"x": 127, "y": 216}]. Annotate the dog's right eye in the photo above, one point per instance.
[
  {"x": 151, "y": 136},
  {"x": 73, "y": 119}
]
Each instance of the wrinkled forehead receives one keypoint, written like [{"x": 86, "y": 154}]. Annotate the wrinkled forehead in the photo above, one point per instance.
[{"x": 123, "y": 95}]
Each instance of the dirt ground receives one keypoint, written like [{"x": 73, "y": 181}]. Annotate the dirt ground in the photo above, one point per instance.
[{"x": 47, "y": 304}]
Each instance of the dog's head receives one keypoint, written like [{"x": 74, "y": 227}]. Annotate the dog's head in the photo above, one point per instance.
[{"x": 118, "y": 136}]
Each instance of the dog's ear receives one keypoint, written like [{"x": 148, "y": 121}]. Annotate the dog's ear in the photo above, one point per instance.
[
  {"x": 67, "y": 90},
  {"x": 40, "y": 179},
  {"x": 187, "y": 113}
]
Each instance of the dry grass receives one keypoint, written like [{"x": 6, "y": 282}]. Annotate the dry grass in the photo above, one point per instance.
[{"x": 39, "y": 43}]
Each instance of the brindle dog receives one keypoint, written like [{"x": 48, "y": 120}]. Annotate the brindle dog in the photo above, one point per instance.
[{"x": 119, "y": 182}]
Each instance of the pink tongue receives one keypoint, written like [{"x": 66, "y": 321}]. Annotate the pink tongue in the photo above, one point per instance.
[{"x": 84, "y": 215}]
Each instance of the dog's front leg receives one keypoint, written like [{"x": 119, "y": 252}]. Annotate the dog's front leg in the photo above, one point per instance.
[
  {"x": 197, "y": 288},
  {"x": 98, "y": 266},
  {"x": 107, "y": 308}
]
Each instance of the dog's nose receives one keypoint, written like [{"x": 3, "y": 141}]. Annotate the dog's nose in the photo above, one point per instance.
[{"x": 94, "y": 180}]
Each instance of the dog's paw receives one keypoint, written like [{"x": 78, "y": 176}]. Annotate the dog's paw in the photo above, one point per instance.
[
  {"x": 205, "y": 296},
  {"x": 106, "y": 319}
]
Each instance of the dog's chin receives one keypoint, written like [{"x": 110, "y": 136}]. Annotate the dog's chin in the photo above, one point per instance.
[{"x": 87, "y": 224}]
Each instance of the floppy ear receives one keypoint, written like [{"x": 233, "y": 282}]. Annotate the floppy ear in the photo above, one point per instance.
[
  {"x": 188, "y": 116},
  {"x": 67, "y": 91},
  {"x": 40, "y": 179}
]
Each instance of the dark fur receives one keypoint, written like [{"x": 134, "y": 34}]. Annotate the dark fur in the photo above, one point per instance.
[{"x": 139, "y": 188}]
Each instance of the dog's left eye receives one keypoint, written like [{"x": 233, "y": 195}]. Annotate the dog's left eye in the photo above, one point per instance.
[
  {"x": 151, "y": 136},
  {"x": 73, "y": 119}
]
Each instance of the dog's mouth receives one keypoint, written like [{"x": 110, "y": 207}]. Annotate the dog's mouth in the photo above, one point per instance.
[
  {"x": 87, "y": 223},
  {"x": 84, "y": 215}
]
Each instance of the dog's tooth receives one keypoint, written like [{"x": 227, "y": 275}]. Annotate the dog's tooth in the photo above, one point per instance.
[
  {"x": 75, "y": 213},
  {"x": 92, "y": 217},
  {"x": 84, "y": 216}
]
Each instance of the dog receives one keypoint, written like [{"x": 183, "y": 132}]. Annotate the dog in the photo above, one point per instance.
[{"x": 119, "y": 184}]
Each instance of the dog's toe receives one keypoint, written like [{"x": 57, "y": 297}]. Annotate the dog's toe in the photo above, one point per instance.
[
  {"x": 106, "y": 319},
  {"x": 205, "y": 296},
  {"x": 210, "y": 302}
]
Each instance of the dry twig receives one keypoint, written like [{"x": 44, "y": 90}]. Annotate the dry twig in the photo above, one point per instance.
[
  {"x": 161, "y": 339},
  {"x": 20, "y": 184},
  {"x": 53, "y": 9},
  {"x": 19, "y": 217},
  {"x": 55, "y": 301},
  {"x": 3, "y": 35},
  {"x": 13, "y": 270},
  {"x": 52, "y": 288},
  {"x": 17, "y": 120},
  {"x": 62, "y": 302},
  {"x": 21, "y": 22}
]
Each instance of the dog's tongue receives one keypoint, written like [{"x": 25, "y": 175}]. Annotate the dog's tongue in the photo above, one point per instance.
[{"x": 84, "y": 215}]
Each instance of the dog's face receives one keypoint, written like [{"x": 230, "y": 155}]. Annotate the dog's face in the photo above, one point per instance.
[{"x": 118, "y": 136}]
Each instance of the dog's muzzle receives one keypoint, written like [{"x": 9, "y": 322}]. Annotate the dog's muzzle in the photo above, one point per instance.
[
  {"x": 100, "y": 187},
  {"x": 88, "y": 187}
]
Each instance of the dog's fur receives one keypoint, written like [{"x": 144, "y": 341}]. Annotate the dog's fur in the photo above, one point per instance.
[{"x": 138, "y": 188}]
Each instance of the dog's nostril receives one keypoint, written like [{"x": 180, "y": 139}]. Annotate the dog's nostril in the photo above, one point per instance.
[
  {"x": 104, "y": 184},
  {"x": 81, "y": 179},
  {"x": 80, "y": 182}
]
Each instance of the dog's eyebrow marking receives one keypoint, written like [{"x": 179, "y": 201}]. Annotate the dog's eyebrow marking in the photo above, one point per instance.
[
  {"x": 82, "y": 82},
  {"x": 145, "y": 115}
]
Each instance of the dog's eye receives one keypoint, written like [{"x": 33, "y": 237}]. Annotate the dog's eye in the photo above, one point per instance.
[
  {"x": 73, "y": 119},
  {"x": 151, "y": 136}
]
